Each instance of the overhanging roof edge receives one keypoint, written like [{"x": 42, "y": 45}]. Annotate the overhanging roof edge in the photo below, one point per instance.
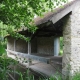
[{"x": 56, "y": 15}]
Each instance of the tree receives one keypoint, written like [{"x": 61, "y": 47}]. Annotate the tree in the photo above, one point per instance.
[{"x": 18, "y": 13}]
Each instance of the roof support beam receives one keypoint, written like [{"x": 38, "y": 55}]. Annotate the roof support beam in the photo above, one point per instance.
[
  {"x": 56, "y": 17},
  {"x": 14, "y": 44},
  {"x": 29, "y": 52},
  {"x": 56, "y": 46}
]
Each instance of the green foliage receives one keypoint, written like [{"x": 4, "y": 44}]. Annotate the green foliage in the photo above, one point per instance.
[
  {"x": 3, "y": 29},
  {"x": 76, "y": 76},
  {"x": 17, "y": 35},
  {"x": 2, "y": 50},
  {"x": 16, "y": 14},
  {"x": 61, "y": 46},
  {"x": 4, "y": 67},
  {"x": 21, "y": 12}
]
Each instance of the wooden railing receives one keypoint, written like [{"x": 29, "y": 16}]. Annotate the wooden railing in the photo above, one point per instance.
[{"x": 47, "y": 59}]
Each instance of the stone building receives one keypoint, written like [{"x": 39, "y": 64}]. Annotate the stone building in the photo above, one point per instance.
[{"x": 44, "y": 46}]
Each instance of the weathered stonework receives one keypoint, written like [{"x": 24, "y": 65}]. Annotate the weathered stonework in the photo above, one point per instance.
[
  {"x": 45, "y": 45},
  {"x": 40, "y": 45},
  {"x": 71, "y": 35},
  {"x": 10, "y": 43}
]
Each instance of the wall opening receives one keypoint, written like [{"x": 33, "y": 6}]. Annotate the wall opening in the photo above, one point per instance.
[{"x": 61, "y": 46}]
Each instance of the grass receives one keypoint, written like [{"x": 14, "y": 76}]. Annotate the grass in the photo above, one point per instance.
[
  {"x": 61, "y": 46},
  {"x": 61, "y": 52},
  {"x": 76, "y": 76}
]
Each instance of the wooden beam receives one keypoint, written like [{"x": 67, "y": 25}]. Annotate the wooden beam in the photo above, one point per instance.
[
  {"x": 61, "y": 14},
  {"x": 29, "y": 47},
  {"x": 57, "y": 14},
  {"x": 48, "y": 30},
  {"x": 29, "y": 56},
  {"x": 56, "y": 46},
  {"x": 48, "y": 59},
  {"x": 14, "y": 44},
  {"x": 49, "y": 35},
  {"x": 29, "y": 52},
  {"x": 46, "y": 69}
]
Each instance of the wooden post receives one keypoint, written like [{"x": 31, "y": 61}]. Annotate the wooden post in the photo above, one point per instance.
[
  {"x": 56, "y": 46},
  {"x": 14, "y": 44},
  {"x": 14, "y": 50},
  {"x": 29, "y": 52}
]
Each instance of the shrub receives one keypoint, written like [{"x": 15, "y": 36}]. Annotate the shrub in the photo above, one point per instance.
[{"x": 76, "y": 76}]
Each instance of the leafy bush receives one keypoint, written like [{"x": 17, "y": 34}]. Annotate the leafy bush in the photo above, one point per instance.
[
  {"x": 4, "y": 66},
  {"x": 76, "y": 76}
]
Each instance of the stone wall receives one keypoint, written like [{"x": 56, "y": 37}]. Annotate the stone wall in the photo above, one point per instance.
[
  {"x": 34, "y": 45},
  {"x": 71, "y": 36},
  {"x": 10, "y": 43},
  {"x": 21, "y": 45},
  {"x": 45, "y": 45},
  {"x": 40, "y": 45}
]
